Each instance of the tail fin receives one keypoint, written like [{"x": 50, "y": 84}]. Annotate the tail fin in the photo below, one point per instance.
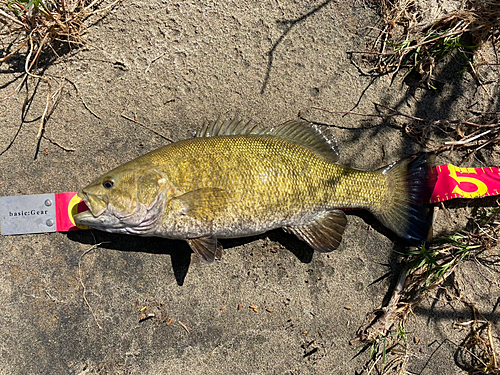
[{"x": 405, "y": 212}]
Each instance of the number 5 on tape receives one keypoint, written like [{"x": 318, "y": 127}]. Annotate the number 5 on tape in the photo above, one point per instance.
[
  {"x": 455, "y": 182},
  {"x": 40, "y": 213},
  {"x": 480, "y": 187}
]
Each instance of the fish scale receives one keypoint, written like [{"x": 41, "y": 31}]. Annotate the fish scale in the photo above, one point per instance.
[
  {"x": 291, "y": 172},
  {"x": 235, "y": 180}
]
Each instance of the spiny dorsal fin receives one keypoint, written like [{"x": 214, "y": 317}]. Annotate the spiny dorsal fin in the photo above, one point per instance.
[
  {"x": 208, "y": 249},
  {"x": 220, "y": 127},
  {"x": 324, "y": 233},
  {"x": 319, "y": 139}
]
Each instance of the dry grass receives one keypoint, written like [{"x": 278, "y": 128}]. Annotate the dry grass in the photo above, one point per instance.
[
  {"x": 478, "y": 352},
  {"x": 415, "y": 35},
  {"x": 421, "y": 37},
  {"x": 41, "y": 23},
  {"x": 427, "y": 269},
  {"x": 481, "y": 130},
  {"x": 34, "y": 28}
]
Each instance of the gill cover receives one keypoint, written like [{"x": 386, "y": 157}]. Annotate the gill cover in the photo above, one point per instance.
[{"x": 150, "y": 187}]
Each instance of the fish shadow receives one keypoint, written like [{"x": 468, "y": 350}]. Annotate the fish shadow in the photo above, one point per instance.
[
  {"x": 301, "y": 250},
  {"x": 179, "y": 251}
]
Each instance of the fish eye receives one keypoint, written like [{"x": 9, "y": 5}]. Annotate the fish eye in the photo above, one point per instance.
[{"x": 108, "y": 184}]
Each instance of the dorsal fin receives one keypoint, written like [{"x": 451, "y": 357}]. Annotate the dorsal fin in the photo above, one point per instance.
[
  {"x": 319, "y": 139},
  {"x": 220, "y": 127}
]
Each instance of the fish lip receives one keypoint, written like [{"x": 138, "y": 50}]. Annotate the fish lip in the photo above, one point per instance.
[
  {"x": 103, "y": 222},
  {"x": 85, "y": 198},
  {"x": 84, "y": 218}
]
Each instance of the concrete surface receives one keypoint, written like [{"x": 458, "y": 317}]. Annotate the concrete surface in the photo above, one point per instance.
[{"x": 173, "y": 64}]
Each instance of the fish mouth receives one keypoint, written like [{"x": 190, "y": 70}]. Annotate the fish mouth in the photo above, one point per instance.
[
  {"x": 95, "y": 216},
  {"x": 82, "y": 218},
  {"x": 84, "y": 197},
  {"x": 84, "y": 215},
  {"x": 96, "y": 205}
]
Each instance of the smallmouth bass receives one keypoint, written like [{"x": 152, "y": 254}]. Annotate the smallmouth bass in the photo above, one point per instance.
[{"x": 234, "y": 180}]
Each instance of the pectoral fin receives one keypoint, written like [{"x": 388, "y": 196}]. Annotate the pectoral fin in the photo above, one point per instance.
[
  {"x": 207, "y": 248},
  {"x": 324, "y": 233},
  {"x": 202, "y": 204}
]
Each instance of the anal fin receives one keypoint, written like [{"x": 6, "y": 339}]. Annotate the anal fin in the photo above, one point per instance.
[
  {"x": 207, "y": 248},
  {"x": 323, "y": 234}
]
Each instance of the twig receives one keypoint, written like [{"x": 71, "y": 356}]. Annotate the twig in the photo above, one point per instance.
[
  {"x": 58, "y": 144},
  {"x": 356, "y": 113},
  {"x": 27, "y": 65},
  {"x": 5, "y": 58},
  {"x": 10, "y": 18},
  {"x": 184, "y": 326},
  {"x": 110, "y": 6},
  {"x": 54, "y": 98},
  {"x": 27, "y": 68},
  {"x": 16, "y": 89},
  {"x": 468, "y": 140},
  {"x": 82, "y": 99},
  {"x": 45, "y": 111},
  {"x": 146, "y": 127},
  {"x": 374, "y": 364},
  {"x": 353, "y": 62},
  {"x": 381, "y": 325},
  {"x": 494, "y": 364},
  {"x": 476, "y": 74},
  {"x": 155, "y": 59},
  {"x": 398, "y": 113},
  {"x": 487, "y": 143},
  {"x": 83, "y": 285},
  {"x": 468, "y": 351},
  {"x": 469, "y": 322},
  {"x": 91, "y": 5}
]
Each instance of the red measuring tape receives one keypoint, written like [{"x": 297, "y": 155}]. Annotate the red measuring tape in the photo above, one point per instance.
[
  {"x": 67, "y": 206},
  {"x": 455, "y": 182}
]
